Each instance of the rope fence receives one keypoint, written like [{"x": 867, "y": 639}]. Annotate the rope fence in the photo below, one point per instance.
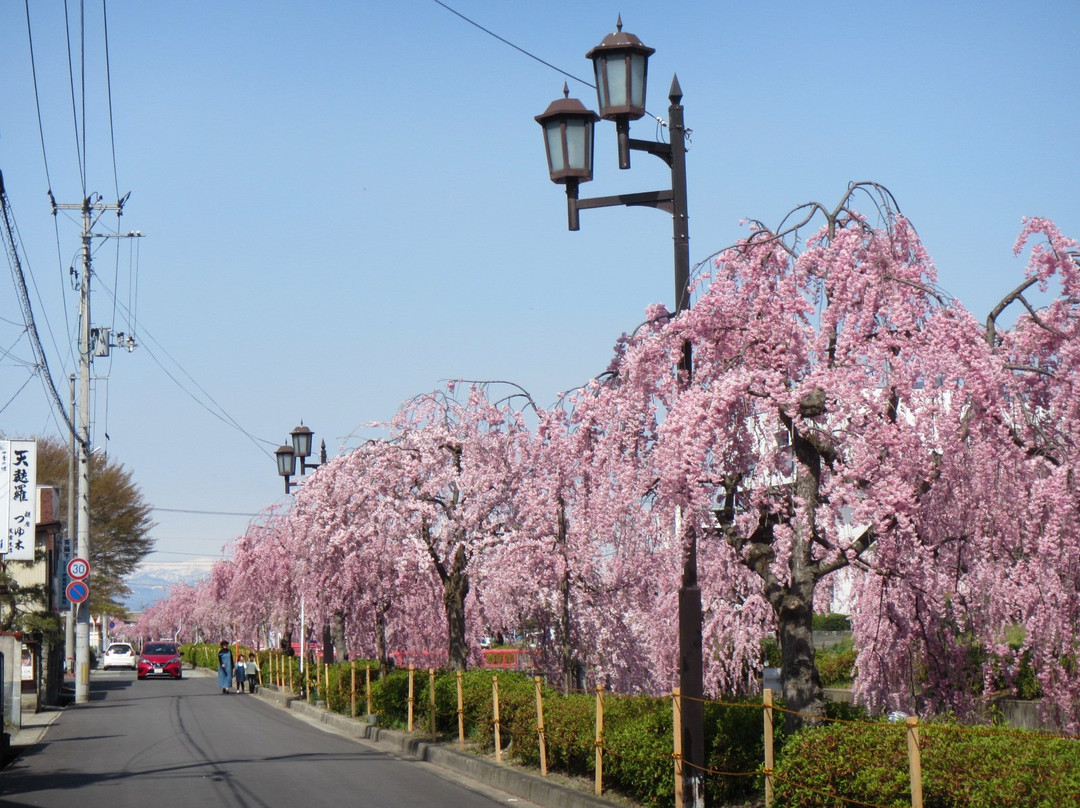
[{"x": 547, "y": 729}]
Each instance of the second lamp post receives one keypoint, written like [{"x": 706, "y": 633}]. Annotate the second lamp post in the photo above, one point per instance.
[{"x": 300, "y": 449}]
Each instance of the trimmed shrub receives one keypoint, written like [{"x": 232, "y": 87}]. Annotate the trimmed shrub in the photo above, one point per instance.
[
  {"x": 831, "y": 622},
  {"x": 962, "y": 767},
  {"x": 836, "y": 665}
]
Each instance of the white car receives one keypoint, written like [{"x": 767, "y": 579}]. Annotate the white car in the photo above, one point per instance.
[{"x": 119, "y": 655}]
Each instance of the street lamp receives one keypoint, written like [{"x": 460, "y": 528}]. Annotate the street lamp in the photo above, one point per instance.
[
  {"x": 621, "y": 66},
  {"x": 620, "y": 63},
  {"x": 300, "y": 449}
]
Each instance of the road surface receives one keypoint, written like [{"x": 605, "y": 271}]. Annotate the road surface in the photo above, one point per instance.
[{"x": 166, "y": 743}]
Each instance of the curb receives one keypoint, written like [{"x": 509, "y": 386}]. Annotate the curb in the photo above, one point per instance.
[{"x": 517, "y": 783}]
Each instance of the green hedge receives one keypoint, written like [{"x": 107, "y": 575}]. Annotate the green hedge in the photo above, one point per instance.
[
  {"x": 858, "y": 759},
  {"x": 963, "y": 767},
  {"x": 836, "y": 665},
  {"x": 637, "y": 734}
]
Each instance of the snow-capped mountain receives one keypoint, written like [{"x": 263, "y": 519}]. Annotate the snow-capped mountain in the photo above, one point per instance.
[{"x": 152, "y": 580}]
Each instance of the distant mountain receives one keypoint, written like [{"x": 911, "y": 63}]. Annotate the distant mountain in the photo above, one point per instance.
[{"x": 152, "y": 581}]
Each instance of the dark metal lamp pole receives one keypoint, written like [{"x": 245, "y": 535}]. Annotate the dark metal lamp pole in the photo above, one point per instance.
[
  {"x": 620, "y": 62},
  {"x": 300, "y": 449}
]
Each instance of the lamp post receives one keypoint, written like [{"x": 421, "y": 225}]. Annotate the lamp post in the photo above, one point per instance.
[
  {"x": 299, "y": 450},
  {"x": 620, "y": 65}
]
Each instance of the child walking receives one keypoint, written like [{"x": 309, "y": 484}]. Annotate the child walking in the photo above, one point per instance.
[{"x": 251, "y": 670}]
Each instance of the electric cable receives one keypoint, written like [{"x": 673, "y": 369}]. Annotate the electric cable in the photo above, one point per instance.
[
  {"x": 220, "y": 413},
  {"x": 108, "y": 87},
  {"x": 37, "y": 97},
  {"x": 660, "y": 122},
  {"x": 515, "y": 47},
  {"x": 8, "y": 233},
  {"x": 48, "y": 178},
  {"x": 74, "y": 107}
]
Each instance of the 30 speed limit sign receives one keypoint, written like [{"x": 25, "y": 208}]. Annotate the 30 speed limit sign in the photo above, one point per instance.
[{"x": 78, "y": 568}]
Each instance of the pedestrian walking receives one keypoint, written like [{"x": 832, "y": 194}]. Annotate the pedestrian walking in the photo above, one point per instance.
[
  {"x": 225, "y": 667},
  {"x": 251, "y": 670},
  {"x": 241, "y": 675}
]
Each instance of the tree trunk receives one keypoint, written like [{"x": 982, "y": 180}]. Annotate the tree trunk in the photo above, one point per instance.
[
  {"x": 794, "y": 604},
  {"x": 286, "y": 639},
  {"x": 566, "y": 649},
  {"x": 327, "y": 641},
  {"x": 455, "y": 589},
  {"x": 380, "y": 639},
  {"x": 337, "y": 634},
  {"x": 798, "y": 669}
]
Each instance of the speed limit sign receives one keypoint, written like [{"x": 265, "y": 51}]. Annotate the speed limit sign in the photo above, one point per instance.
[{"x": 78, "y": 568}]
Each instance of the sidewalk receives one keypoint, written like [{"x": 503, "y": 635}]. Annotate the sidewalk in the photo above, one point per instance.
[{"x": 33, "y": 728}]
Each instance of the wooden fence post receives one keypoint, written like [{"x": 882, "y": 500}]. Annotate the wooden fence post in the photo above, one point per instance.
[
  {"x": 914, "y": 761},
  {"x": 290, "y": 678},
  {"x": 495, "y": 717},
  {"x": 767, "y": 703},
  {"x": 676, "y": 727},
  {"x": 367, "y": 688},
  {"x": 352, "y": 687},
  {"x": 460, "y": 712},
  {"x": 412, "y": 700},
  {"x": 599, "y": 789},
  {"x": 540, "y": 726},
  {"x": 431, "y": 702}
]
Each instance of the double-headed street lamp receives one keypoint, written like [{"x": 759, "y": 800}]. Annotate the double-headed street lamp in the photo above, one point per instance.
[
  {"x": 620, "y": 63},
  {"x": 299, "y": 450}
]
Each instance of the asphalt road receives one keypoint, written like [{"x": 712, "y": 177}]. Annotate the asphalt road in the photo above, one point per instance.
[{"x": 167, "y": 743}]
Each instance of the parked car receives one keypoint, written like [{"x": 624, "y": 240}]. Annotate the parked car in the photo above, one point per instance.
[
  {"x": 118, "y": 655},
  {"x": 161, "y": 659}
]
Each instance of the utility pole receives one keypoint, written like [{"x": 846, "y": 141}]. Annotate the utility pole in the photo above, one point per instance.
[
  {"x": 69, "y": 622},
  {"x": 92, "y": 208}
]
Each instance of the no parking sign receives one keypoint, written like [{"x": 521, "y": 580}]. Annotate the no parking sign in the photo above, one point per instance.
[{"x": 78, "y": 591}]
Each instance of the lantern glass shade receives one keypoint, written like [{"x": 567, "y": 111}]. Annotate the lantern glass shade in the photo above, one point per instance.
[
  {"x": 301, "y": 441},
  {"x": 621, "y": 63},
  {"x": 286, "y": 461},
  {"x": 620, "y": 85},
  {"x": 568, "y": 146},
  {"x": 568, "y": 139}
]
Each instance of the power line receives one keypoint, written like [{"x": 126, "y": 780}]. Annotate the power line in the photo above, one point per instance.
[
  {"x": 74, "y": 107},
  {"x": 200, "y": 513},
  {"x": 220, "y": 413},
  {"x": 108, "y": 85},
  {"x": 8, "y": 229},
  {"x": 515, "y": 47},
  {"x": 37, "y": 97},
  {"x": 48, "y": 177}
]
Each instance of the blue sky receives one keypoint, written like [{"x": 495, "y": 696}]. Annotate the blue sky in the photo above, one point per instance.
[{"x": 346, "y": 203}]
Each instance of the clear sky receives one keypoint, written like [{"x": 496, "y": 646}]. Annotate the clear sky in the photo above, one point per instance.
[{"x": 346, "y": 203}]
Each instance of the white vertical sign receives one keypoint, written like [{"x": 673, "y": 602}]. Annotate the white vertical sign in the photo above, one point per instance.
[
  {"x": 5, "y": 494},
  {"x": 21, "y": 500}
]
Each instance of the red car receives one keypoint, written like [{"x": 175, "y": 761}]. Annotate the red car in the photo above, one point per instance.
[{"x": 160, "y": 659}]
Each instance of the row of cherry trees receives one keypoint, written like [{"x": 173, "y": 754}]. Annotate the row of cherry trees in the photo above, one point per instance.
[{"x": 841, "y": 413}]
